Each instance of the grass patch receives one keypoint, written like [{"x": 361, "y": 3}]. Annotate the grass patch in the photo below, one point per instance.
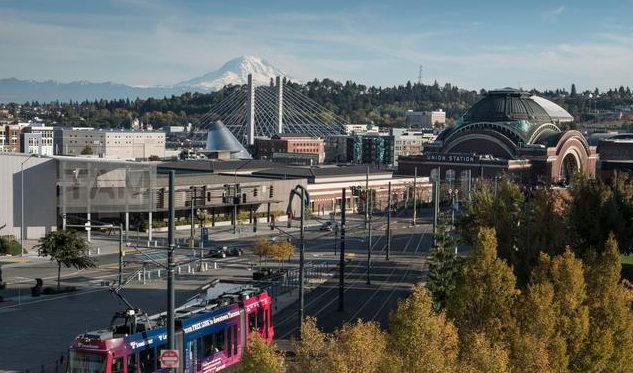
[{"x": 627, "y": 267}]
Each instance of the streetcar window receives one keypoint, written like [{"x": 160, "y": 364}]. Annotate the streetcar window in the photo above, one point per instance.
[
  {"x": 219, "y": 340},
  {"x": 252, "y": 322},
  {"x": 234, "y": 339},
  {"x": 131, "y": 364},
  {"x": 207, "y": 342},
  {"x": 199, "y": 350},
  {"x": 229, "y": 342},
  {"x": 117, "y": 365},
  {"x": 86, "y": 362},
  {"x": 260, "y": 317},
  {"x": 146, "y": 360}
]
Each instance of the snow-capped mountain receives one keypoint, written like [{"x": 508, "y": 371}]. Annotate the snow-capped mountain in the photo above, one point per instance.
[
  {"x": 235, "y": 72},
  {"x": 232, "y": 72}
]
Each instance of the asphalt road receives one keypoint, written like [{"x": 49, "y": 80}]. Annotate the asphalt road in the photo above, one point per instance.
[
  {"x": 390, "y": 281},
  {"x": 35, "y": 331}
]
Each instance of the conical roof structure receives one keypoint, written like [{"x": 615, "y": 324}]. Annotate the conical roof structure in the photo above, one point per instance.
[{"x": 219, "y": 138}]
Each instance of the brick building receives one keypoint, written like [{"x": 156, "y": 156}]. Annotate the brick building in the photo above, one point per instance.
[{"x": 290, "y": 143}]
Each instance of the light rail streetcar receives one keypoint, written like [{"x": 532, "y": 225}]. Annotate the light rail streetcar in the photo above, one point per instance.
[{"x": 211, "y": 334}]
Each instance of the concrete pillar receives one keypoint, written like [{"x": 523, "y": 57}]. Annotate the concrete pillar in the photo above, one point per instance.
[
  {"x": 149, "y": 226},
  {"x": 280, "y": 105},
  {"x": 250, "y": 111}
]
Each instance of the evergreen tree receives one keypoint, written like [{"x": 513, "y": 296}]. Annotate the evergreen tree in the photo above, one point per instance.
[{"x": 443, "y": 270}]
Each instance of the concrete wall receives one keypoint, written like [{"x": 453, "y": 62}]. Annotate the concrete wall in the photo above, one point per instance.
[{"x": 40, "y": 200}]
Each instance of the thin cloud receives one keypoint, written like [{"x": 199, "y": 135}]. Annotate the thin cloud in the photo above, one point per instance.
[{"x": 553, "y": 14}]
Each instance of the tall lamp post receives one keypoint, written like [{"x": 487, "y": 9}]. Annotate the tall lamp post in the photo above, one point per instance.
[{"x": 22, "y": 203}]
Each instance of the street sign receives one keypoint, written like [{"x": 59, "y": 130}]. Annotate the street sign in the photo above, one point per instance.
[
  {"x": 169, "y": 359},
  {"x": 205, "y": 234}
]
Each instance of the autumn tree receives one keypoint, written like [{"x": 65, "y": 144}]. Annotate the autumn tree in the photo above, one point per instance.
[
  {"x": 421, "y": 340},
  {"x": 281, "y": 251},
  {"x": 565, "y": 273},
  {"x": 261, "y": 357},
  {"x": 484, "y": 356},
  {"x": 311, "y": 350},
  {"x": 610, "y": 339},
  {"x": 485, "y": 293},
  {"x": 262, "y": 248},
  {"x": 357, "y": 348}
]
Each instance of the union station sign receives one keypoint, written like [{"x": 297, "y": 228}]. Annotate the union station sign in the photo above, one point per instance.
[{"x": 451, "y": 158}]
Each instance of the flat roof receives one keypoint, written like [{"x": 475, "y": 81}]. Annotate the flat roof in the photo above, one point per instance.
[
  {"x": 320, "y": 171},
  {"x": 215, "y": 166},
  {"x": 162, "y": 180}
]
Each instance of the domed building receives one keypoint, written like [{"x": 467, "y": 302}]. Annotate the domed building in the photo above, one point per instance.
[{"x": 507, "y": 132}]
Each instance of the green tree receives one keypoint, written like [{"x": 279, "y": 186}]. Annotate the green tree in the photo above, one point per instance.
[
  {"x": 485, "y": 293},
  {"x": 421, "y": 340},
  {"x": 67, "y": 248},
  {"x": 443, "y": 270},
  {"x": 87, "y": 150},
  {"x": 261, "y": 357}
]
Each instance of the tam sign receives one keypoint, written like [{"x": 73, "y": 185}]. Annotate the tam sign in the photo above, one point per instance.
[{"x": 169, "y": 359}]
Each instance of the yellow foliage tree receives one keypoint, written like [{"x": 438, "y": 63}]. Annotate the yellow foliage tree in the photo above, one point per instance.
[
  {"x": 261, "y": 357},
  {"x": 483, "y": 356},
  {"x": 262, "y": 248},
  {"x": 565, "y": 273},
  {"x": 419, "y": 339},
  {"x": 610, "y": 340},
  {"x": 311, "y": 350},
  {"x": 281, "y": 251},
  {"x": 357, "y": 348},
  {"x": 485, "y": 293}
]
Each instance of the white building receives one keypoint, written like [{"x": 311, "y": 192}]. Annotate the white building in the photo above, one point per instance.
[
  {"x": 360, "y": 129},
  {"x": 426, "y": 119},
  {"x": 120, "y": 144},
  {"x": 409, "y": 142},
  {"x": 37, "y": 138}
]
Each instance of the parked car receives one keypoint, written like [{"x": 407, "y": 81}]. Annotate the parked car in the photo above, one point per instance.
[
  {"x": 328, "y": 226},
  {"x": 224, "y": 251}
]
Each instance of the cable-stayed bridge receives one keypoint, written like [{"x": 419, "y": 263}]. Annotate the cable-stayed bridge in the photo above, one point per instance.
[{"x": 250, "y": 112}]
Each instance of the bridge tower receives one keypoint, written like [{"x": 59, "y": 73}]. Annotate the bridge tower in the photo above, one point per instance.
[
  {"x": 280, "y": 105},
  {"x": 250, "y": 111}
]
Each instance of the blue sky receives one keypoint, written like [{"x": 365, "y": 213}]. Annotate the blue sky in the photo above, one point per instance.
[{"x": 473, "y": 44}]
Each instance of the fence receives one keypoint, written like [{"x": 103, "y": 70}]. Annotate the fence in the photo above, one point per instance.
[
  {"x": 57, "y": 366},
  {"x": 288, "y": 280}
]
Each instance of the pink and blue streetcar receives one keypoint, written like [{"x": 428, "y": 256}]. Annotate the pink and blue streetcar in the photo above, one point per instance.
[{"x": 211, "y": 334}]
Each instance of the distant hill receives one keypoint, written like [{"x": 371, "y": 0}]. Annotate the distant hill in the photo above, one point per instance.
[{"x": 234, "y": 72}]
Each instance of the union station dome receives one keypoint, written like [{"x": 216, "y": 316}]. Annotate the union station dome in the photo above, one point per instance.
[
  {"x": 517, "y": 115},
  {"x": 507, "y": 131}
]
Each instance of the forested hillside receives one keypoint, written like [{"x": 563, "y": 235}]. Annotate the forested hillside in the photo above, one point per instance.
[{"x": 356, "y": 103}]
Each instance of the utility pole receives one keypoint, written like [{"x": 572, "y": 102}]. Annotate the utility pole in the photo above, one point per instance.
[
  {"x": 193, "y": 227},
  {"x": 171, "y": 332},
  {"x": 301, "y": 259},
  {"x": 436, "y": 207},
  {"x": 341, "y": 276},
  {"x": 236, "y": 200},
  {"x": 389, "y": 220},
  {"x": 369, "y": 198},
  {"x": 415, "y": 195},
  {"x": 366, "y": 197},
  {"x": 120, "y": 278},
  {"x": 335, "y": 236}
]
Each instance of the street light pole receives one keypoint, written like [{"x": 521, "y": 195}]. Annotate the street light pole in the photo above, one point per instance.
[
  {"x": 171, "y": 332},
  {"x": 389, "y": 220},
  {"x": 415, "y": 195},
  {"x": 369, "y": 198},
  {"x": 366, "y": 197},
  {"x": 120, "y": 254},
  {"x": 193, "y": 227},
  {"x": 341, "y": 280},
  {"x": 301, "y": 264}
]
